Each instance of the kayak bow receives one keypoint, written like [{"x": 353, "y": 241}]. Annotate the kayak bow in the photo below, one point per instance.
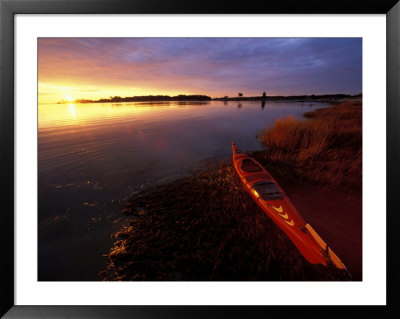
[{"x": 274, "y": 202}]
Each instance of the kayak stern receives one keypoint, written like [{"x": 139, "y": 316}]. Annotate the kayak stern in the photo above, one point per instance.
[{"x": 272, "y": 199}]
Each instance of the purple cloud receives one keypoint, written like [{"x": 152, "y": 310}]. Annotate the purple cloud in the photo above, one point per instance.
[{"x": 214, "y": 66}]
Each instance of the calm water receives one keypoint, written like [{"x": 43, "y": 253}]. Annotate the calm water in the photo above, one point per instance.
[{"x": 93, "y": 156}]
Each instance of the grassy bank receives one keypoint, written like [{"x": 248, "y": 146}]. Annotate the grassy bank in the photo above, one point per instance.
[
  {"x": 208, "y": 228},
  {"x": 326, "y": 148}
]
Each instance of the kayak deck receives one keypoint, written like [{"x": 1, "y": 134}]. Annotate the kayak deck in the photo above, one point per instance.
[{"x": 272, "y": 199}]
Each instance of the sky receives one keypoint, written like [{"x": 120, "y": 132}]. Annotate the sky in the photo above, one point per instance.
[{"x": 93, "y": 68}]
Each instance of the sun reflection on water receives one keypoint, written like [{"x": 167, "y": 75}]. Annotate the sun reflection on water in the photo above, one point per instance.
[
  {"x": 72, "y": 110},
  {"x": 75, "y": 114}
]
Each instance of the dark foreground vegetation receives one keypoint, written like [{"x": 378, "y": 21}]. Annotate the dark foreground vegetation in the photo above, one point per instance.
[{"x": 208, "y": 228}]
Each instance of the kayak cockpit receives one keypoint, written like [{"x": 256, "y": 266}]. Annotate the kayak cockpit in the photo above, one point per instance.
[
  {"x": 266, "y": 190},
  {"x": 249, "y": 166}
]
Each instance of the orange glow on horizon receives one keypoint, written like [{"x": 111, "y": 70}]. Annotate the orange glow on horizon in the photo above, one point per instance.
[
  {"x": 51, "y": 93},
  {"x": 95, "y": 68}
]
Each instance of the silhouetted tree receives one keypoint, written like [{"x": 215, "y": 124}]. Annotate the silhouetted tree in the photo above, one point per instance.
[
  {"x": 264, "y": 95},
  {"x": 240, "y": 94}
]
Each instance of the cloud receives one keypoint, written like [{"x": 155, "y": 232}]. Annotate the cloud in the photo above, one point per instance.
[{"x": 216, "y": 66}]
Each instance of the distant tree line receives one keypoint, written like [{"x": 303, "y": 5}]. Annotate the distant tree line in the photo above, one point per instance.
[
  {"x": 147, "y": 98},
  {"x": 313, "y": 97},
  {"x": 240, "y": 97}
]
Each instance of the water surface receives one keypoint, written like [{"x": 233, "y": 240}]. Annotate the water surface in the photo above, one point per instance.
[{"x": 94, "y": 156}]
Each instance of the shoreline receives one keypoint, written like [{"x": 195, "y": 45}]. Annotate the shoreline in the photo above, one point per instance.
[
  {"x": 206, "y": 227},
  {"x": 326, "y": 98}
]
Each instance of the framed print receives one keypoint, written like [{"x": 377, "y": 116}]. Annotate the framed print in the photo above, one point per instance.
[{"x": 167, "y": 159}]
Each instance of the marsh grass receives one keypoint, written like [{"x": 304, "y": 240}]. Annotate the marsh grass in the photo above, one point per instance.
[
  {"x": 207, "y": 227},
  {"x": 326, "y": 147}
]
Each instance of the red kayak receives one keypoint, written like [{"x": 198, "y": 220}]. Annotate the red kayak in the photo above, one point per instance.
[{"x": 274, "y": 202}]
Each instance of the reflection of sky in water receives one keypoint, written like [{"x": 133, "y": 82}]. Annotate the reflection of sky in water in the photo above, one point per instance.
[{"x": 91, "y": 156}]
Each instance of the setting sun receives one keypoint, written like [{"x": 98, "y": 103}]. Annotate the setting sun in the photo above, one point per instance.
[
  {"x": 97, "y": 68},
  {"x": 138, "y": 178},
  {"x": 68, "y": 98}
]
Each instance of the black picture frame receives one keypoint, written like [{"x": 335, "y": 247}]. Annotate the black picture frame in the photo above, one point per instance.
[{"x": 8, "y": 8}]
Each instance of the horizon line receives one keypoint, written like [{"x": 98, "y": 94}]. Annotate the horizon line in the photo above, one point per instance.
[{"x": 198, "y": 95}]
